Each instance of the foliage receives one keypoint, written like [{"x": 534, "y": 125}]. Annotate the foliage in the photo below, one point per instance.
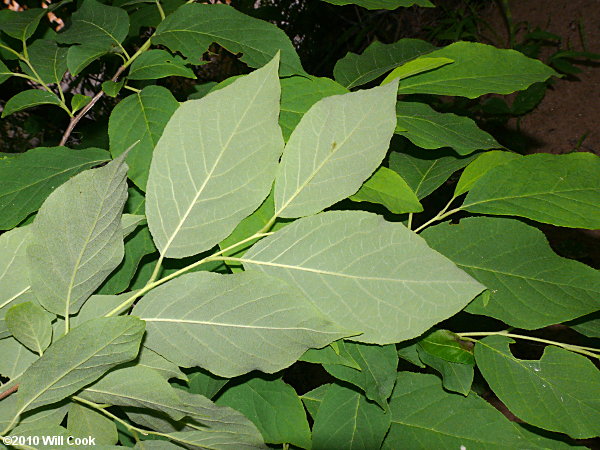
[{"x": 266, "y": 249}]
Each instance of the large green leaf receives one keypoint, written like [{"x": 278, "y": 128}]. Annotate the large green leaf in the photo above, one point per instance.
[
  {"x": 382, "y": 4},
  {"x": 76, "y": 239},
  {"x": 79, "y": 358},
  {"x": 48, "y": 59},
  {"x": 477, "y": 69},
  {"x": 456, "y": 377},
  {"x": 28, "y": 178},
  {"x": 194, "y": 27},
  {"x": 154, "y": 64},
  {"x": 31, "y": 325},
  {"x": 336, "y": 146},
  {"x": 355, "y": 70},
  {"x": 425, "y": 416},
  {"x": 84, "y": 422},
  {"x": 273, "y": 406},
  {"x": 414, "y": 67},
  {"x": 214, "y": 164},
  {"x": 28, "y": 99},
  {"x": 564, "y": 385},
  {"x": 237, "y": 322},
  {"x": 345, "y": 419},
  {"x": 531, "y": 286},
  {"x": 14, "y": 276},
  {"x": 563, "y": 190},
  {"x": 140, "y": 119},
  {"x": 430, "y": 129},
  {"x": 355, "y": 267},
  {"x": 21, "y": 24}
]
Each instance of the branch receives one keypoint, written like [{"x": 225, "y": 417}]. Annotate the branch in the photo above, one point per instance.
[{"x": 9, "y": 391}]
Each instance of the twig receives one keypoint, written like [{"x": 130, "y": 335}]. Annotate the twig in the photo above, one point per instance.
[{"x": 9, "y": 391}]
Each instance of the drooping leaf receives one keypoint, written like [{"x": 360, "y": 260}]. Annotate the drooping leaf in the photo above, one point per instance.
[
  {"x": 389, "y": 189},
  {"x": 21, "y": 24},
  {"x": 479, "y": 167},
  {"x": 20, "y": 358},
  {"x": 76, "y": 239},
  {"x": 563, "y": 385},
  {"x": 156, "y": 63},
  {"x": 273, "y": 406},
  {"x": 345, "y": 419},
  {"x": 194, "y": 27},
  {"x": 28, "y": 178},
  {"x": 204, "y": 181},
  {"x": 456, "y": 377},
  {"x": 48, "y": 59},
  {"x": 563, "y": 190},
  {"x": 530, "y": 285},
  {"x": 14, "y": 276},
  {"x": 447, "y": 345},
  {"x": 398, "y": 274},
  {"x": 336, "y": 146},
  {"x": 382, "y": 4},
  {"x": 31, "y": 325},
  {"x": 239, "y": 322},
  {"x": 84, "y": 422},
  {"x": 477, "y": 69},
  {"x": 28, "y": 99},
  {"x": 355, "y": 70},
  {"x": 415, "y": 66},
  {"x": 429, "y": 129}
]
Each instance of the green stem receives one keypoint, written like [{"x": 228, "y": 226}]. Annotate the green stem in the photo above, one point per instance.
[
  {"x": 441, "y": 215},
  {"x": 145, "y": 46},
  {"x": 160, "y": 10},
  {"x": 410, "y": 219},
  {"x": 137, "y": 91},
  {"x": 14, "y": 52}
]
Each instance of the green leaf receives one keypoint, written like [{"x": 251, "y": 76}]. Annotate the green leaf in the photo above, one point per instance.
[
  {"x": 78, "y": 359},
  {"x": 28, "y": 99},
  {"x": 21, "y": 24},
  {"x": 425, "y": 416},
  {"x": 415, "y": 286},
  {"x": 79, "y": 101},
  {"x": 154, "y": 64},
  {"x": 408, "y": 351},
  {"x": 382, "y": 4},
  {"x": 355, "y": 70},
  {"x": 205, "y": 383},
  {"x": 84, "y": 422},
  {"x": 194, "y": 27},
  {"x": 112, "y": 88},
  {"x": 298, "y": 94},
  {"x": 28, "y": 178},
  {"x": 477, "y": 69},
  {"x": 76, "y": 239},
  {"x": 427, "y": 128},
  {"x": 140, "y": 117},
  {"x": 334, "y": 353},
  {"x": 48, "y": 59},
  {"x": 563, "y": 190},
  {"x": 587, "y": 325},
  {"x": 30, "y": 432},
  {"x": 456, "y": 377},
  {"x": 129, "y": 222},
  {"x": 416, "y": 66},
  {"x": 237, "y": 322},
  {"x": 531, "y": 287},
  {"x": 98, "y": 306},
  {"x": 152, "y": 360},
  {"x": 31, "y": 325},
  {"x": 312, "y": 400},
  {"x": 5, "y": 73},
  {"x": 377, "y": 373},
  {"x": 203, "y": 182},
  {"x": 425, "y": 171},
  {"x": 561, "y": 383},
  {"x": 319, "y": 166},
  {"x": 345, "y": 419},
  {"x": 14, "y": 276},
  {"x": 389, "y": 189},
  {"x": 20, "y": 358},
  {"x": 80, "y": 56},
  {"x": 446, "y": 345},
  {"x": 273, "y": 406},
  {"x": 479, "y": 167}
]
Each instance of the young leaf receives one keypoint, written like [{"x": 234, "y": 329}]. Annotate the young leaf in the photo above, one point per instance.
[
  {"x": 238, "y": 322},
  {"x": 355, "y": 70},
  {"x": 479, "y": 167},
  {"x": 430, "y": 129},
  {"x": 336, "y": 146},
  {"x": 31, "y": 325},
  {"x": 345, "y": 419},
  {"x": 563, "y": 190},
  {"x": 419, "y": 65},
  {"x": 530, "y": 285},
  {"x": 193, "y": 27},
  {"x": 446, "y": 345},
  {"x": 382, "y": 4},
  {"x": 112, "y": 88},
  {"x": 399, "y": 274},
  {"x": 273, "y": 406},
  {"x": 84, "y": 422},
  {"x": 28, "y": 178},
  {"x": 204, "y": 181},
  {"x": 48, "y": 59},
  {"x": 14, "y": 276},
  {"x": 140, "y": 117},
  {"x": 29, "y": 98},
  {"x": 154, "y": 64},
  {"x": 456, "y": 377},
  {"x": 79, "y": 101},
  {"x": 76, "y": 240},
  {"x": 560, "y": 382}
]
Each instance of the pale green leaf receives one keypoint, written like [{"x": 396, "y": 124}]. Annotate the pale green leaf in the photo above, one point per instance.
[
  {"x": 427, "y": 128},
  {"x": 237, "y": 323},
  {"x": 129, "y": 222},
  {"x": 31, "y": 431},
  {"x": 28, "y": 99},
  {"x": 563, "y": 190},
  {"x": 447, "y": 345},
  {"x": 154, "y": 64},
  {"x": 21, "y": 24},
  {"x": 84, "y": 422},
  {"x": 383, "y": 4},
  {"x": 28, "y": 178},
  {"x": 140, "y": 117},
  {"x": 205, "y": 180},
  {"x": 479, "y": 167},
  {"x": 20, "y": 358},
  {"x": 31, "y": 325},
  {"x": 416, "y": 66},
  {"x": 165, "y": 368},
  {"x": 355, "y": 70},
  {"x": 273, "y": 406},
  {"x": 312, "y": 400},
  {"x": 389, "y": 189},
  {"x": 194, "y": 27},
  {"x": 565, "y": 386},
  {"x": 456, "y": 377},
  {"x": 15, "y": 286},
  {"x": 477, "y": 69},
  {"x": 366, "y": 274},
  {"x": 48, "y": 59},
  {"x": 345, "y": 419},
  {"x": 98, "y": 306},
  {"x": 43, "y": 416},
  {"x": 336, "y": 146},
  {"x": 76, "y": 239},
  {"x": 530, "y": 286}
]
